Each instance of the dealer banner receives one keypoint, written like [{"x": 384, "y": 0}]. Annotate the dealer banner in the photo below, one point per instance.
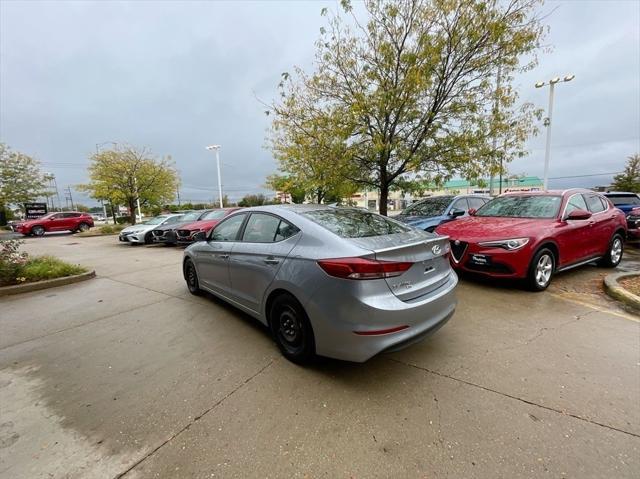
[{"x": 35, "y": 210}]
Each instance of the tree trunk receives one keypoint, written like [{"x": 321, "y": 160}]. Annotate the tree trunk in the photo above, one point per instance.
[
  {"x": 3, "y": 215},
  {"x": 132, "y": 211},
  {"x": 113, "y": 212},
  {"x": 384, "y": 195}
]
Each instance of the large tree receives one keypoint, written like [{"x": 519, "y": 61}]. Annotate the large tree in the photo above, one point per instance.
[
  {"x": 123, "y": 175},
  {"x": 629, "y": 179},
  {"x": 21, "y": 180},
  {"x": 410, "y": 89}
]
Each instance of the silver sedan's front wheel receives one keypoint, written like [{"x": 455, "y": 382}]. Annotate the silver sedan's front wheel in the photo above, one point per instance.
[{"x": 541, "y": 270}]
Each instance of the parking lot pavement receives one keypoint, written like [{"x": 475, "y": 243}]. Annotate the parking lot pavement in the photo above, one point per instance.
[{"x": 128, "y": 375}]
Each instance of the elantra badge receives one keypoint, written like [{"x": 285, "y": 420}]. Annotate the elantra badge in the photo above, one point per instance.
[{"x": 436, "y": 249}]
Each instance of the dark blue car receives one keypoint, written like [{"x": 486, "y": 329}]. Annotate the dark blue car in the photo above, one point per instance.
[
  {"x": 427, "y": 214},
  {"x": 624, "y": 201}
]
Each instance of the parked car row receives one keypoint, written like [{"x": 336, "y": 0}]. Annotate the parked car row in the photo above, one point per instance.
[{"x": 348, "y": 283}]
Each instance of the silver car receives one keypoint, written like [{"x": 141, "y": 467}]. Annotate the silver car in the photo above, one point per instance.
[{"x": 338, "y": 282}]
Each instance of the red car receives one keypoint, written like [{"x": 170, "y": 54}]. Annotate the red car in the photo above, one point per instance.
[
  {"x": 191, "y": 232},
  {"x": 66, "y": 221},
  {"x": 533, "y": 235}
]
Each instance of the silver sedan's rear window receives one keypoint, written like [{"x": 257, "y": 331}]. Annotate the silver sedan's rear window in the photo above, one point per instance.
[{"x": 352, "y": 223}]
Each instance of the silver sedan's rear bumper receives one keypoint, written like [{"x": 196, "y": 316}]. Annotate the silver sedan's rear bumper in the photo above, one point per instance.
[{"x": 341, "y": 330}]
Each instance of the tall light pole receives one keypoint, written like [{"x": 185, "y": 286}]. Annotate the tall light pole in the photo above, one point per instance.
[
  {"x": 217, "y": 150},
  {"x": 547, "y": 123}
]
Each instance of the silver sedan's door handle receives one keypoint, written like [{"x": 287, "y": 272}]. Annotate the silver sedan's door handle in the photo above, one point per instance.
[
  {"x": 223, "y": 256},
  {"x": 271, "y": 260}
]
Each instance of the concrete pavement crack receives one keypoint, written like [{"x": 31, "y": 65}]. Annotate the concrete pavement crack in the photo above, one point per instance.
[
  {"x": 525, "y": 401},
  {"x": 194, "y": 420}
]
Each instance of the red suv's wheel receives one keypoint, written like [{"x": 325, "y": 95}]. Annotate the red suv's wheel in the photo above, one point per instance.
[
  {"x": 37, "y": 230},
  {"x": 614, "y": 253},
  {"x": 83, "y": 227},
  {"x": 541, "y": 270}
]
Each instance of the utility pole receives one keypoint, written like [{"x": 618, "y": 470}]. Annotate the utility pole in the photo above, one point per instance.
[
  {"x": 55, "y": 185},
  {"x": 547, "y": 123},
  {"x": 217, "y": 150},
  {"x": 178, "y": 193},
  {"x": 69, "y": 198}
]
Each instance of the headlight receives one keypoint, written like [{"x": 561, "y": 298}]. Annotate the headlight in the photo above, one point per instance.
[{"x": 511, "y": 244}]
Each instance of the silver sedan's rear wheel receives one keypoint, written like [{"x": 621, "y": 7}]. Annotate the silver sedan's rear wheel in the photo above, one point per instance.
[
  {"x": 541, "y": 270},
  {"x": 291, "y": 329}
]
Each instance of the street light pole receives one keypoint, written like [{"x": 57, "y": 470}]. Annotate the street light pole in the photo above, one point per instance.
[
  {"x": 547, "y": 123},
  {"x": 217, "y": 150}
]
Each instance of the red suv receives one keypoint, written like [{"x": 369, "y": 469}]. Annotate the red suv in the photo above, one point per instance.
[
  {"x": 533, "y": 235},
  {"x": 191, "y": 232},
  {"x": 66, "y": 221}
]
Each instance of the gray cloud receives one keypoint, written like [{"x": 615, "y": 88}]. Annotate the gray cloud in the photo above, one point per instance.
[{"x": 177, "y": 76}]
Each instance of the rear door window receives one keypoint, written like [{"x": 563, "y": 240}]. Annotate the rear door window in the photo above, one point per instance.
[
  {"x": 352, "y": 223},
  {"x": 594, "y": 204},
  {"x": 261, "y": 228}
]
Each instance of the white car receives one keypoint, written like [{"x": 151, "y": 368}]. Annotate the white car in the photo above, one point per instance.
[{"x": 141, "y": 232}]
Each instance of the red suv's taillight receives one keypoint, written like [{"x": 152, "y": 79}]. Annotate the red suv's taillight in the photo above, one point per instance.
[{"x": 362, "y": 268}]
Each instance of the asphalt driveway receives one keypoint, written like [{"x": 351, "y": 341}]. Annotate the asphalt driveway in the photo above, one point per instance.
[{"x": 128, "y": 375}]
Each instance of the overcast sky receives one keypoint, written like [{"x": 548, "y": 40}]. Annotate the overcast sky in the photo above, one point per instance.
[{"x": 177, "y": 76}]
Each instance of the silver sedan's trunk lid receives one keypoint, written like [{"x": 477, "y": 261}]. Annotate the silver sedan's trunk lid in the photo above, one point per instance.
[{"x": 427, "y": 252}]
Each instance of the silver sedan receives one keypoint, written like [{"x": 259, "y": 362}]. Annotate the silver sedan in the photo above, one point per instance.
[{"x": 338, "y": 282}]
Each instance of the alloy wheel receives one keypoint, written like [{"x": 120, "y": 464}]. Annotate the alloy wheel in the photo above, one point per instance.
[
  {"x": 83, "y": 227},
  {"x": 616, "y": 251},
  {"x": 544, "y": 268}
]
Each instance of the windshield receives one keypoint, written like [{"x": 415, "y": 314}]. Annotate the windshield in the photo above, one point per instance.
[
  {"x": 430, "y": 207},
  {"x": 214, "y": 215},
  {"x": 348, "y": 223},
  {"x": 155, "y": 221},
  {"x": 193, "y": 216},
  {"x": 620, "y": 200},
  {"x": 520, "y": 206}
]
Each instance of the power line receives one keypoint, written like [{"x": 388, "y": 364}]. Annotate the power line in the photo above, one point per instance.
[{"x": 585, "y": 176}]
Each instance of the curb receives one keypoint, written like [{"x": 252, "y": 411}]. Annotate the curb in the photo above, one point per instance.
[
  {"x": 613, "y": 289},
  {"x": 48, "y": 283}
]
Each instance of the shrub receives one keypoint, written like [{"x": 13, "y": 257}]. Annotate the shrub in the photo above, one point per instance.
[
  {"x": 11, "y": 261},
  {"x": 110, "y": 229},
  {"x": 48, "y": 267},
  {"x": 17, "y": 267},
  {"x": 121, "y": 220}
]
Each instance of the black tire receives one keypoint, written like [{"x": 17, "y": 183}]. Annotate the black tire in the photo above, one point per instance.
[
  {"x": 541, "y": 270},
  {"x": 37, "y": 230},
  {"x": 191, "y": 277},
  {"x": 291, "y": 329},
  {"x": 83, "y": 227},
  {"x": 613, "y": 256},
  {"x": 147, "y": 238}
]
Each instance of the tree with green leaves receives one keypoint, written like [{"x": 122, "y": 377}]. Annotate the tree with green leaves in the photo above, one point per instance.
[
  {"x": 21, "y": 180},
  {"x": 254, "y": 200},
  {"x": 629, "y": 179},
  {"x": 123, "y": 175},
  {"x": 410, "y": 89},
  {"x": 289, "y": 185}
]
